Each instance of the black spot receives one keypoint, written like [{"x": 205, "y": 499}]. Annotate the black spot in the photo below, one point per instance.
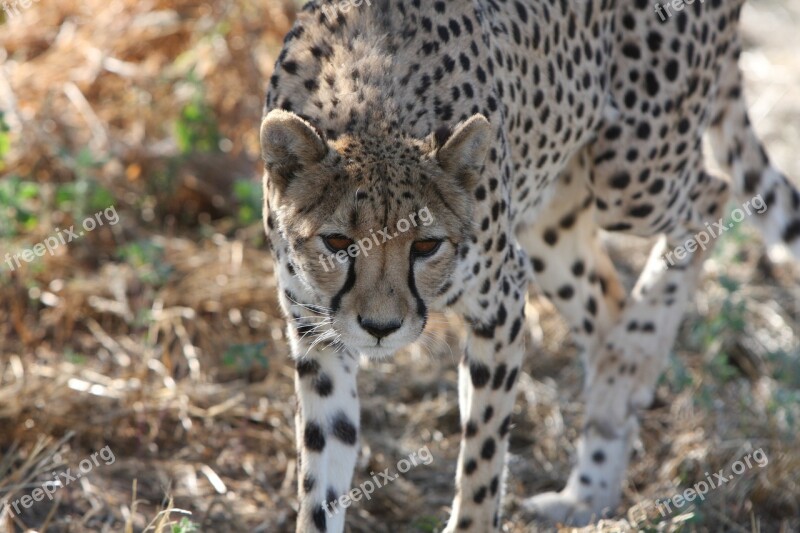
[
  {"x": 494, "y": 485},
  {"x": 656, "y": 187},
  {"x": 621, "y": 180},
  {"x": 599, "y": 456},
  {"x": 566, "y": 292},
  {"x": 538, "y": 265},
  {"x": 344, "y": 429},
  {"x": 651, "y": 83},
  {"x": 641, "y": 211},
  {"x": 313, "y": 437},
  {"x": 290, "y": 67},
  {"x": 502, "y": 314},
  {"x": 306, "y": 367},
  {"x": 568, "y": 221},
  {"x": 471, "y": 429},
  {"x": 792, "y": 231},
  {"x": 654, "y": 41},
  {"x": 551, "y": 237},
  {"x": 499, "y": 376},
  {"x": 631, "y": 50},
  {"x": 512, "y": 378},
  {"x": 470, "y": 467},
  {"x": 613, "y": 133},
  {"x": 331, "y": 495},
  {"x": 319, "y": 517},
  {"x": 480, "y": 374},
  {"x": 479, "y": 495},
  {"x": 488, "y": 449},
  {"x": 505, "y": 426},
  {"x": 515, "y": 327},
  {"x": 323, "y": 385},
  {"x": 522, "y": 12}
]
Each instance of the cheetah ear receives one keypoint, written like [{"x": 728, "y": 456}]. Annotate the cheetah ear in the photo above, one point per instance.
[
  {"x": 465, "y": 149},
  {"x": 288, "y": 144}
]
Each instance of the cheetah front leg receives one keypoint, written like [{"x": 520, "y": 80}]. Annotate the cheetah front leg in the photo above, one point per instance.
[
  {"x": 327, "y": 431},
  {"x": 621, "y": 379},
  {"x": 327, "y": 417},
  {"x": 574, "y": 271},
  {"x": 623, "y": 373},
  {"x": 487, "y": 389}
]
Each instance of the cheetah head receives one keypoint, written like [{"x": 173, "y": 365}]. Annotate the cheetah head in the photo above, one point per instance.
[{"x": 373, "y": 226}]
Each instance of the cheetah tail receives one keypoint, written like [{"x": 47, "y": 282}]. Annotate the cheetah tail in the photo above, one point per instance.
[{"x": 774, "y": 199}]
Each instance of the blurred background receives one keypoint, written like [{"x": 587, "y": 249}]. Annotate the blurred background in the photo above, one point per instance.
[{"x": 138, "y": 318}]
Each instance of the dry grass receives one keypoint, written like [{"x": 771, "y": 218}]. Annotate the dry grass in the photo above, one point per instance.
[{"x": 160, "y": 336}]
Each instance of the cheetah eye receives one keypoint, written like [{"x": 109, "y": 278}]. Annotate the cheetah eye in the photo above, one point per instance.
[
  {"x": 337, "y": 243},
  {"x": 425, "y": 248}
]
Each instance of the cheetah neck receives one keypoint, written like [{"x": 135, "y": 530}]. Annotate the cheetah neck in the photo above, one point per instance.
[
  {"x": 356, "y": 88},
  {"x": 349, "y": 74}
]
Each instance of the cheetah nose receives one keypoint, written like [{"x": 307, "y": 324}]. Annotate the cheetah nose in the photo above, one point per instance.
[{"x": 378, "y": 330}]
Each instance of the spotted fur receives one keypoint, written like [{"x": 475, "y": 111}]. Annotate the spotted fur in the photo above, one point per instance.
[{"x": 524, "y": 127}]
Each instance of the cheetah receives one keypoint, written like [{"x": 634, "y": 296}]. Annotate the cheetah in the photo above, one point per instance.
[{"x": 523, "y": 127}]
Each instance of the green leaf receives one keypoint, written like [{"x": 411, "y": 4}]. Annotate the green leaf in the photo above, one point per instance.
[
  {"x": 5, "y": 139},
  {"x": 184, "y": 526}
]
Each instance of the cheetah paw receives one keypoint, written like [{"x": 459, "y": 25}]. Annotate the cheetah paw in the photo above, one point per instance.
[{"x": 559, "y": 508}]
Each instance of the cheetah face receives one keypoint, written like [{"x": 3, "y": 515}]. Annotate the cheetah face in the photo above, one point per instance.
[{"x": 372, "y": 227}]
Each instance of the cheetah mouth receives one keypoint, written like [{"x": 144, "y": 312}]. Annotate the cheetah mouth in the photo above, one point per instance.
[{"x": 378, "y": 351}]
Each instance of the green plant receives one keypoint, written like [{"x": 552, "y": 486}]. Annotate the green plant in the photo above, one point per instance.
[
  {"x": 196, "y": 128},
  {"x": 677, "y": 375},
  {"x": 17, "y": 206},
  {"x": 245, "y": 357},
  {"x": 184, "y": 526},
  {"x": 5, "y": 140},
  {"x": 84, "y": 196},
  {"x": 74, "y": 357},
  {"x": 249, "y": 196},
  {"x": 147, "y": 258},
  {"x": 427, "y": 524}
]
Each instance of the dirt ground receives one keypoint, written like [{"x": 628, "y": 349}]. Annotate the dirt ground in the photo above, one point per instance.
[{"x": 148, "y": 355}]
